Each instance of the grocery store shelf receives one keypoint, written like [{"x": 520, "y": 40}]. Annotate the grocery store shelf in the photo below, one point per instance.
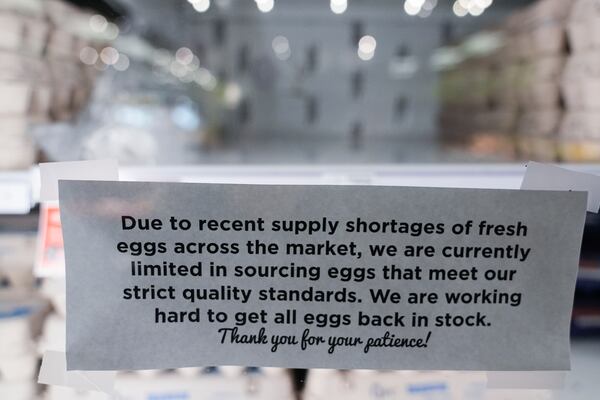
[{"x": 19, "y": 191}]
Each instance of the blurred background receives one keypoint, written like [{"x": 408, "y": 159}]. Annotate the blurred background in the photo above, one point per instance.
[{"x": 456, "y": 93}]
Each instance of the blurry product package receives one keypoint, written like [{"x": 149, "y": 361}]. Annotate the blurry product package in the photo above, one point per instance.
[{"x": 50, "y": 260}]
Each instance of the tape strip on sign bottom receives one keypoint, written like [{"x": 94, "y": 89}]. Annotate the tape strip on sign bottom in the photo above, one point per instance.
[
  {"x": 549, "y": 177},
  {"x": 551, "y": 380},
  {"x": 93, "y": 170},
  {"x": 54, "y": 372}
]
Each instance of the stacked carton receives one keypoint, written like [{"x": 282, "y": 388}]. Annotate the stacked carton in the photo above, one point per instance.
[
  {"x": 21, "y": 42},
  {"x": 69, "y": 78},
  {"x": 41, "y": 76},
  {"x": 478, "y": 104},
  {"x": 18, "y": 362},
  {"x": 21, "y": 312},
  {"x": 523, "y": 105},
  {"x": 579, "y": 136},
  {"x": 213, "y": 383},
  {"x": 542, "y": 42},
  {"x": 372, "y": 384},
  {"x": 18, "y": 358}
]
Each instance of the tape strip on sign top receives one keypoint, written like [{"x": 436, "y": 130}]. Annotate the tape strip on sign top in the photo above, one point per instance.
[
  {"x": 54, "y": 372},
  {"x": 93, "y": 170},
  {"x": 549, "y": 177}
]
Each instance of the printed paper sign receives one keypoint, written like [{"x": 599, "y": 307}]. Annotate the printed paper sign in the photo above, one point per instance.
[{"x": 166, "y": 275}]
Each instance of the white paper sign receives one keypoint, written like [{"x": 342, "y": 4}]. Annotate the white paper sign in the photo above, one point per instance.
[{"x": 166, "y": 275}]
